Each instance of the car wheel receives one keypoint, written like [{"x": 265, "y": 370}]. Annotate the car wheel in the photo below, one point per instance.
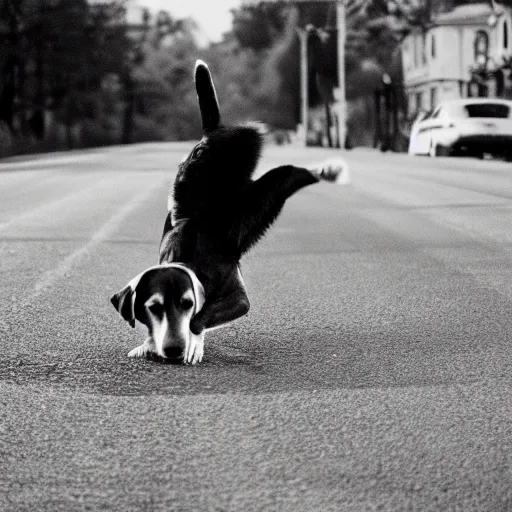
[{"x": 440, "y": 150}]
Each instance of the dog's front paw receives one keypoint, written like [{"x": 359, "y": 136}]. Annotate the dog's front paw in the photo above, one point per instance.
[
  {"x": 146, "y": 350},
  {"x": 195, "y": 350},
  {"x": 139, "y": 351}
]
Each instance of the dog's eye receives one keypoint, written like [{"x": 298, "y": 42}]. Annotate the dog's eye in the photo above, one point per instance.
[
  {"x": 186, "y": 304},
  {"x": 157, "y": 309}
]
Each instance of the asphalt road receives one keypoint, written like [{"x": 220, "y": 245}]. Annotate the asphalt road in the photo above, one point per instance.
[{"x": 373, "y": 371}]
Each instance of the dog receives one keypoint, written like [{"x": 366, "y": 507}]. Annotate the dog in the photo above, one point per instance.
[
  {"x": 164, "y": 298},
  {"x": 218, "y": 212}
]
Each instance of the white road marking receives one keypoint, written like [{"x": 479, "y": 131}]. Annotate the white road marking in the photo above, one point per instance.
[
  {"x": 45, "y": 161},
  {"x": 38, "y": 211},
  {"x": 102, "y": 234}
]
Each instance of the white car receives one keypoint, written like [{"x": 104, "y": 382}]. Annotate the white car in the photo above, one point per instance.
[{"x": 471, "y": 126}]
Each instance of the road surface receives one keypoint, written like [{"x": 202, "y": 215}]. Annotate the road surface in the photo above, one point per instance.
[{"x": 373, "y": 371}]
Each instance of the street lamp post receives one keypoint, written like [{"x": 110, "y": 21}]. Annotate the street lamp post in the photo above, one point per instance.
[{"x": 339, "y": 94}]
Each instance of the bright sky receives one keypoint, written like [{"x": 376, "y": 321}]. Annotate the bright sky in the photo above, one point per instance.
[{"x": 213, "y": 16}]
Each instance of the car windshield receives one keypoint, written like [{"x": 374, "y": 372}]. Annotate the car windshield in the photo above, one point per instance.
[{"x": 487, "y": 110}]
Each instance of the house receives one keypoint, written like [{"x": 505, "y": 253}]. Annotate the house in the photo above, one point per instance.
[{"x": 460, "y": 54}]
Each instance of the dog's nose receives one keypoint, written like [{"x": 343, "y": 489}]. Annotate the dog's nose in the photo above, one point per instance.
[{"x": 173, "y": 352}]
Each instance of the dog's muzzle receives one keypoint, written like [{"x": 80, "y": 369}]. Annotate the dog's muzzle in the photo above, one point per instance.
[{"x": 174, "y": 353}]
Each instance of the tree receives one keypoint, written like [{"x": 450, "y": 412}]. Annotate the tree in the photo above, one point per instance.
[
  {"x": 258, "y": 26},
  {"x": 57, "y": 54},
  {"x": 278, "y": 46},
  {"x": 166, "y": 102}
]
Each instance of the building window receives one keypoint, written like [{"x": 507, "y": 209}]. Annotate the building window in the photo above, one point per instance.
[
  {"x": 481, "y": 46},
  {"x": 433, "y": 98},
  {"x": 411, "y": 104},
  {"x": 436, "y": 113},
  {"x": 424, "y": 49},
  {"x": 419, "y": 102},
  {"x": 407, "y": 55},
  {"x": 433, "y": 46},
  {"x": 505, "y": 35}
]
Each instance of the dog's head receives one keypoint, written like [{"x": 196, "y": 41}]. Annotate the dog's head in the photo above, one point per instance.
[
  {"x": 164, "y": 298},
  {"x": 225, "y": 157}
]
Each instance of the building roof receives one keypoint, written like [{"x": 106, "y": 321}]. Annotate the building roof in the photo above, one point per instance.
[{"x": 467, "y": 14}]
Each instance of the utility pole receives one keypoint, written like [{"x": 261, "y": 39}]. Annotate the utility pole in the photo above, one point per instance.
[
  {"x": 304, "y": 111},
  {"x": 340, "y": 94}
]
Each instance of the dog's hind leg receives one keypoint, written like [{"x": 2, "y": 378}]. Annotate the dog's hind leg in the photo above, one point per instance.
[
  {"x": 260, "y": 205},
  {"x": 263, "y": 200}
]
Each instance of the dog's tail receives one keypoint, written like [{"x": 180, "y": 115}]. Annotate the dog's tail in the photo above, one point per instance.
[{"x": 208, "y": 102}]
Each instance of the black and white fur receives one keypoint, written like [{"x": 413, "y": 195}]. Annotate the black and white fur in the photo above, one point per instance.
[
  {"x": 164, "y": 298},
  {"x": 218, "y": 213}
]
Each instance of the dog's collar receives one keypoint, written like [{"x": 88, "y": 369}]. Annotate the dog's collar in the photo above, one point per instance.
[{"x": 197, "y": 287}]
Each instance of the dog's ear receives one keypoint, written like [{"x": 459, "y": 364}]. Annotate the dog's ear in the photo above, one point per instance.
[
  {"x": 208, "y": 103},
  {"x": 124, "y": 302}
]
